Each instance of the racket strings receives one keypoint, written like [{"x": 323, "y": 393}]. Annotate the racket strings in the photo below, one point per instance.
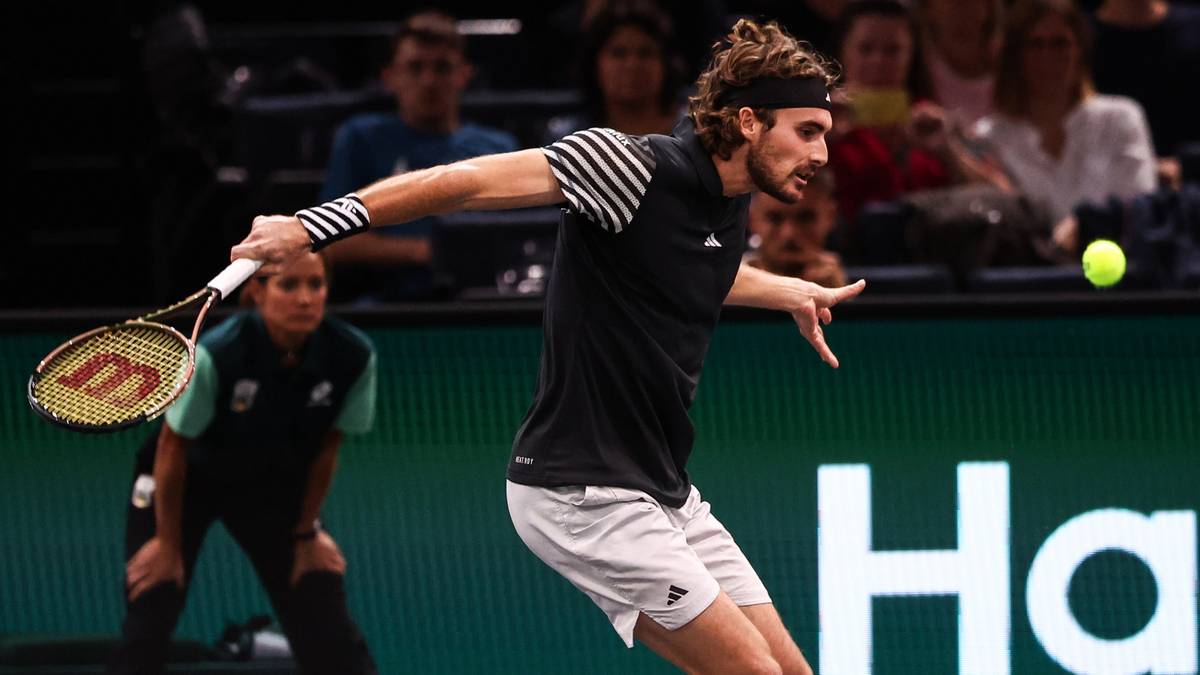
[{"x": 114, "y": 376}]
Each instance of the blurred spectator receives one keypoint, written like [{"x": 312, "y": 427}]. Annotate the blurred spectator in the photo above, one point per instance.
[
  {"x": 891, "y": 140},
  {"x": 194, "y": 94},
  {"x": 629, "y": 73},
  {"x": 427, "y": 74},
  {"x": 697, "y": 26},
  {"x": 814, "y": 21},
  {"x": 186, "y": 83},
  {"x": 790, "y": 239},
  {"x": 1058, "y": 139},
  {"x": 961, "y": 46},
  {"x": 1165, "y": 37}
]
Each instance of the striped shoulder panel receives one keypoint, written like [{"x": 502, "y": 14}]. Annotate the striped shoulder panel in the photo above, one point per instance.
[{"x": 603, "y": 173}]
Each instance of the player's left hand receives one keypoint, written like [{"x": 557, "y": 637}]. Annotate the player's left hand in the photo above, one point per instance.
[
  {"x": 319, "y": 554},
  {"x": 274, "y": 240},
  {"x": 812, "y": 310}
]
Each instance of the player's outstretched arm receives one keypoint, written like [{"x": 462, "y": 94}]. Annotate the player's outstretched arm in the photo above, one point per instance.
[
  {"x": 504, "y": 181},
  {"x": 808, "y": 303}
]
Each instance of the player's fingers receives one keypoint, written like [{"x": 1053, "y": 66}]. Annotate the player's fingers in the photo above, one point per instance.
[
  {"x": 810, "y": 328},
  {"x": 818, "y": 342},
  {"x": 271, "y": 264},
  {"x": 816, "y": 337},
  {"x": 806, "y": 318},
  {"x": 258, "y": 245},
  {"x": 247, "y": 249},
  {"x": 847, "y": 292},
  {"x": 826, "y": 316}
]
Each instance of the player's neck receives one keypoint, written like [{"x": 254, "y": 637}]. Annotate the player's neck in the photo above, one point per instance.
[{"x": 735, "y": 177}]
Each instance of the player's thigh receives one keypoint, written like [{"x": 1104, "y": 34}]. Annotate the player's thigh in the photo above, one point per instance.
[
  {"x": 783, "y": 648},
  {"x": 619, "y": 547},
  {"x": 721, "y": 555},
  {"x": 722, "y": 639}
]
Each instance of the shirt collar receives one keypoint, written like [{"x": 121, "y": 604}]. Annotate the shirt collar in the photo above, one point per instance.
[{"x": 685, "y": 131}]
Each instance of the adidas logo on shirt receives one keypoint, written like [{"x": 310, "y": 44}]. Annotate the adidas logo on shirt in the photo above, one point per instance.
[
  {"x": 674, "y": 592},
  {"x": 712, "y": 242}
]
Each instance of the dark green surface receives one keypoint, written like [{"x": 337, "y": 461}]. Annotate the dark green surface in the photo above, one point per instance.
[{"x": 1088, "y": 412}]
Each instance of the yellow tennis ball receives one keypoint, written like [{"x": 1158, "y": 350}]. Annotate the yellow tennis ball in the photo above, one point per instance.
[{"x": 1103, "y": 263}]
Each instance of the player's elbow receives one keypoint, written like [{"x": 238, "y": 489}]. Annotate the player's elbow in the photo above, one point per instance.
[{"x": 454, "y": 185}]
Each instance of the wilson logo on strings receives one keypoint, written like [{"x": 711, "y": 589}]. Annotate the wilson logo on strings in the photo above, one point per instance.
[{"x": 112, "y": 370}]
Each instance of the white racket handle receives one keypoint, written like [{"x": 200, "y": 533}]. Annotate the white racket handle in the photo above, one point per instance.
[{"x": 233, "y": 276}]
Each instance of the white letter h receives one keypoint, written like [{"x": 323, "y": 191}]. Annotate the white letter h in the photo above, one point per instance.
[{"x": 850, "y": 573}]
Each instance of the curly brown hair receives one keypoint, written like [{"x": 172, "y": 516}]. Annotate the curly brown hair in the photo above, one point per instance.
[{"x": 749, "y": 52}]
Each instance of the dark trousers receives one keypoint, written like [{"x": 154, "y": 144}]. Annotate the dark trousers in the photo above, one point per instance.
[{"x": 259, "y": 516}]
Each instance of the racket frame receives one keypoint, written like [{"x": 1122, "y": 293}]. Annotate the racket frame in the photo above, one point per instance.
[
  {"x": 210, "y": 295},
  {"x": 221, "y": 286}
]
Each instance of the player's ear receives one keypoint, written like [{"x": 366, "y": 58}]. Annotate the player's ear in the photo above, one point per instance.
[{"x": 749, "y": 124}]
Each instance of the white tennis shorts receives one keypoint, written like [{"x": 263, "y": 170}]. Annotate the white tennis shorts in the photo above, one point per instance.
[{"x": 631, "y": 554}]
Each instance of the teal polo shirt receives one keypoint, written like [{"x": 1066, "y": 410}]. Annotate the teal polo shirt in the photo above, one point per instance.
[{"x": 247, "y": 415}]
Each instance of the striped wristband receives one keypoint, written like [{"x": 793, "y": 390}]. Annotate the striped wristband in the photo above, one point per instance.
[{"x": 334, "y": 220}]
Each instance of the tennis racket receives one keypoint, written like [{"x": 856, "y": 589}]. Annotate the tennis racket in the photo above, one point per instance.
[{"x": 117, "y": 376}]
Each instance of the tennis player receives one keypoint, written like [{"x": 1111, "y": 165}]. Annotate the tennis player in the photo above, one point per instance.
[
  {"x": 649, "y": 249},
  {"x": 252, "y": 443}
]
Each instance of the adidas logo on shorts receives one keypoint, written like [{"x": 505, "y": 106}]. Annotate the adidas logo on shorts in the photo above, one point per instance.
[{"x": 675, "y": 593}]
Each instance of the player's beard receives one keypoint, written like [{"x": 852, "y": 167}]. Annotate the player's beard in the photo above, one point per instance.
[{"x": 760, "y": 174}]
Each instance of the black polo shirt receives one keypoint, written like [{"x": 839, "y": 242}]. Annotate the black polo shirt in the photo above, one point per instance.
[
  {"x": 647, "y": 250},
  {"x": 248, "y": 416}
]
